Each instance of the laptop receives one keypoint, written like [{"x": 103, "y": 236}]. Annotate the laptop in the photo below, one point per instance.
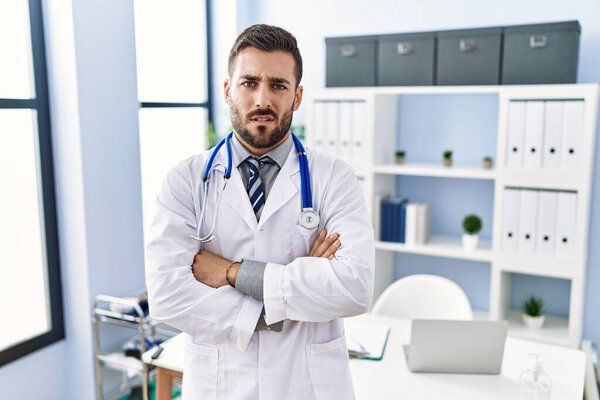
[{"x": 461, "y": 347}]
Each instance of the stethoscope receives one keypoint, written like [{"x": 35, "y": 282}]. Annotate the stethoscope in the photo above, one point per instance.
[{"x": 308, "y": 218}]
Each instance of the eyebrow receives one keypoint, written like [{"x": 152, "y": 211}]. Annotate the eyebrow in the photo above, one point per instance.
[{"x": 257, "y": 78}]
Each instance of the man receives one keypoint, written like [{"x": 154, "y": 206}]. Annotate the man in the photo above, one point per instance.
[{"x": 261, "y": 304}]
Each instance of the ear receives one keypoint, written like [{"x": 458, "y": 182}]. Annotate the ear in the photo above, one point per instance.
[
  {"x": 227, "y": 90},
  {"x": 298, "y": 98}
]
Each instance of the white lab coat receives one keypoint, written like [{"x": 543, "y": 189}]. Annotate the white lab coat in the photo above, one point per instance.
[{"x": 224, "y": 357}]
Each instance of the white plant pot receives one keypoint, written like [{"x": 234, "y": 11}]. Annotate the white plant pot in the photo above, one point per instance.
[
  {"x": 470, "y": 241},
  {"x": 533, "y": 322}
]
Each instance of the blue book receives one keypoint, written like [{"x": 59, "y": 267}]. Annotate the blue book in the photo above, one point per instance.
[
  {"x": 385, "y": 219},
  {"x": 402, "y": 222},
  {"x": 395, "y": 220}
]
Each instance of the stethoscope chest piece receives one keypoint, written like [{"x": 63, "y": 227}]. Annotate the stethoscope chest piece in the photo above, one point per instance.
[{"x": 309, "y": 219}]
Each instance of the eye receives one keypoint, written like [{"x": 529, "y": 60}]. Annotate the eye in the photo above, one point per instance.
[
  {"x": 277, "y": 86},
  {"x": 248, "y": 84}
]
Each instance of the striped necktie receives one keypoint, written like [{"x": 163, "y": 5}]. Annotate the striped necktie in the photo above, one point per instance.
[{"x": 255, "y": 187}]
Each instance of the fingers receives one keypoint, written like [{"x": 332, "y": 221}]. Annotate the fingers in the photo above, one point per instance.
[
  {"x": 332, "y": 249},
  {"x": 326, "y": 245},
  {"x": 318, "y": 241}
]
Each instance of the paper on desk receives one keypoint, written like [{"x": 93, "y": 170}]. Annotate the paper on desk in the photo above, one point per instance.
[{"x": 367, "y": 341}]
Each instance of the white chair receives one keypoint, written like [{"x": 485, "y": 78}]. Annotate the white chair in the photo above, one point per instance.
[{"x": 424, "y": 297}]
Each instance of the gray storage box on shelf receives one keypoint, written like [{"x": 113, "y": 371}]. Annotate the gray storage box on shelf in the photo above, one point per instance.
[
  {"x": 406, "y": 59},
  {"x": 350, "y": 61},
  {"x": 469, "y": 57},
  {"x": 541, "y": 53}
]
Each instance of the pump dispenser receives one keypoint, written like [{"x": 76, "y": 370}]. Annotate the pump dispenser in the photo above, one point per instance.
[{"x": 534, "y": 383}]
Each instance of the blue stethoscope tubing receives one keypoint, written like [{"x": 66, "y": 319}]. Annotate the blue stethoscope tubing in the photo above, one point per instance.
[{"x": 308, "y": 217}]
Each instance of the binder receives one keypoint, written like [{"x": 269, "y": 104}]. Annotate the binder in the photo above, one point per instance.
[
  {"x": 359, "y": 131},
  {"x": 534, "y": 133},
  {"x": 345, "y": 131},
  {"x": 572, "y": 134},
  {"x": 386, "y": 216},
  {"x": 515, "y": 134},
  {"x": 411, "y": 223},
  {"x": 319, "y": 125},
  {"x": 424, "y": 224},
  {"x": 331, "y": 128},
  {"x": 401, "y": 227},
  {"x": 566, "y": 222},
  {"x": 546, "y": 226},
  {"x": 528, "y": 221},
  {"x": 510, "y": 220},
  {"x": 553, "y": 127}
]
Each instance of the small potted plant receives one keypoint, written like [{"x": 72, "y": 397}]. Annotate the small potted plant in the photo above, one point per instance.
[
  {"x": 471, "y": 227},
  {"x": 487, "y": 162},
  {"x": 533, "y": 312},
  {"x": 447, "y": 160},
  {"x": 400, "y": 157}
]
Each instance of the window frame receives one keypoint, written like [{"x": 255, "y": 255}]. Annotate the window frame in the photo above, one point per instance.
[
  {"x": 40, "y": 104},
  {"x": 208, "y": 103}
]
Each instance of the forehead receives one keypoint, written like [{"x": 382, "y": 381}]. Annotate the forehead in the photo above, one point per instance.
[{"x": 271, "y": 64}]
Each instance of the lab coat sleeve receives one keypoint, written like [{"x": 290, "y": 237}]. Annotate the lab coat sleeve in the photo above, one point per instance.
[
  {"x": 209, "y": 315},
  {"x": 317, "y": 289}
]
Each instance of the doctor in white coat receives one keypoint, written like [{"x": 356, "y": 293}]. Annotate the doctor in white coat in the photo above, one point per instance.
[{"x": 306, "y": 283}]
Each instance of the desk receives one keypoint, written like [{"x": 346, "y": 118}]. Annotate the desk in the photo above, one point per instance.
[{"x": 391, "y": 379}]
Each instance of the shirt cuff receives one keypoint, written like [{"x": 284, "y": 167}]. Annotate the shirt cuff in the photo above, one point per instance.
[{"x": 250, "y": 278}]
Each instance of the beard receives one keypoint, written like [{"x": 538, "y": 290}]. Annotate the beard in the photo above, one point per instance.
[{"x": 262, "y": 138}]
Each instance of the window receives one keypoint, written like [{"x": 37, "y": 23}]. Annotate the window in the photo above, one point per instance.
[
  {"x": 30, "y": 288},
  {"x": 172, "y": 48}
]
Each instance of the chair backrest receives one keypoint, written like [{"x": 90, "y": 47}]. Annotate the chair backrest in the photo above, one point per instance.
[{"x": 424, "y": 297}]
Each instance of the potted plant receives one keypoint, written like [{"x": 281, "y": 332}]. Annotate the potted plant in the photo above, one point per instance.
[
  {"x": 533, "y": 312},
  {"x": 471, "y": 227},
  {"x": 400, "y": 157},
  {"x": 487, "y": 162},
  {"x": 447, "y": 160}
]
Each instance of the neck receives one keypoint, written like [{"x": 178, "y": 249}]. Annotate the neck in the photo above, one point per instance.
[{"x": 255, "y": 151}]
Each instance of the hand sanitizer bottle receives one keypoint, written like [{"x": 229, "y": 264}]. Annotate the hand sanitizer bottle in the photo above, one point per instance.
[{"x": 534, "y": 383}]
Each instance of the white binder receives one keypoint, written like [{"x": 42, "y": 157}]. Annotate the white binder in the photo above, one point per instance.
[
  {"x": 423, "y": 224},
  {"x": 572, "y": 134},
  {"x": 510, "y": 220},
  {"x": 515, "y": 134},
  {"x": 546, "y": 224},
  {"x": 528, "y": 221},
  {"x": 319, "y": 125},
  {"x": 410, "y": 229},
  {"x": 332, "y": 124},
  {"x": 553, "y": 127},
  {"x": 565, "y": 224},
  {"x": 345, "y": 131},
  {"x": 359, "y": 131},
  {"x": 534, "y": 134}
]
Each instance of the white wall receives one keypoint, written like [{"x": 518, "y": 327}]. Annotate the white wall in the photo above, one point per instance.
[{"x": 313, "y": 20}]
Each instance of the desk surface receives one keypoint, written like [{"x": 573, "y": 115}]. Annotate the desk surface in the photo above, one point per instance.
[{"x": 391, "y": 379}]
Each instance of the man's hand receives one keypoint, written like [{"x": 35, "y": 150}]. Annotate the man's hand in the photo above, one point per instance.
[
  {"x": 210, "y": 269},
  {"x": 325, "y": 246}
]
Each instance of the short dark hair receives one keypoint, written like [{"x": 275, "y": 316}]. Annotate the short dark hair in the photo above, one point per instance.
[{"x": 266, "y": 38}]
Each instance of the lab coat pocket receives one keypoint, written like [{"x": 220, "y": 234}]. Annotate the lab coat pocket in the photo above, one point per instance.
[
  {"x": 200, "y": 371},
  {"x": 330, "y": 370},
  {"x": 302, "y": 240}
]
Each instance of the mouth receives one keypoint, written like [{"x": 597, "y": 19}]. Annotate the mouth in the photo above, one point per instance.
[{"x": 262, "y": 119}]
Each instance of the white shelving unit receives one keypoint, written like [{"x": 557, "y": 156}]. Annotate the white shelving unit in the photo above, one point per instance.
[{"x": 370, "y": 147}]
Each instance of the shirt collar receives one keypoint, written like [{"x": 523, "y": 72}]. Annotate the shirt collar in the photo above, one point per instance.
[{"x": 279, "y": 154}]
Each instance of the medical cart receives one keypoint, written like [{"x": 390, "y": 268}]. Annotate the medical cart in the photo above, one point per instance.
[{"x": 127, "y": 313}]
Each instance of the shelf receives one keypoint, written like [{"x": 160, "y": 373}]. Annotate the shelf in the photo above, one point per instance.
[
  {"x": 442, "y": 246},
  {"x": 554, "y": 331},
  {"x": 541, "y": 179},
  {"x": 119, "y": 361},
  {"x": 538, "y": 265},
  {"x": 435, "y": 170}
]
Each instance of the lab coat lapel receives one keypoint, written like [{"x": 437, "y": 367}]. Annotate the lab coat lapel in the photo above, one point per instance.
[
  {"x": 284, "y": 188},
  {"x": 235, "y": 193}
]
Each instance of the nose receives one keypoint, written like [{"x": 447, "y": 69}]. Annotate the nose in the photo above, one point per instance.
[{"x": 262, "y": 97}]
